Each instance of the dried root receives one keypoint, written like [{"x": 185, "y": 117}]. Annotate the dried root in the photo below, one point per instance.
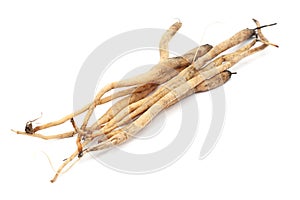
[{"x": 166, "y": 83}]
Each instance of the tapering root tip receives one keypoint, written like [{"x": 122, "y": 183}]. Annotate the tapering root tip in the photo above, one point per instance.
[
  {"x": 54, "y": 178},
  {"x": 268, "y": 43}
]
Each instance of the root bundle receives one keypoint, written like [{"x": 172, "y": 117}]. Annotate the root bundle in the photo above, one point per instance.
[{"x": 146, "y": 95}]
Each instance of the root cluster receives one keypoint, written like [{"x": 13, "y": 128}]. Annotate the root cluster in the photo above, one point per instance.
[{"x": 146, "y": 95}]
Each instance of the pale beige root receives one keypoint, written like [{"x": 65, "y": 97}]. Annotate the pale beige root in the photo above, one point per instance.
[
  {"x": 128, "y": 113},
  {"x": 67, "y": 161},
  {"x": 180, "y": 92},
  {"x": 218, "y": 61},
  {"x": 229, "y": 63},
  {"x": 47, "y": 137},
  {"x": 174, "y": 78},
  {"x": 62, "y": 120},
  {"x": 158, "y": 74},
  {"x": 190, "y": 71},
  {"x": 136, "y": 95},
  {"x": 177, "y": 62},
  {"x": 121, "y": 135},
  {"x": 172, "y": 65},
  {"x": 85, "y": 108},
  {"x": 170, "y": 98},
  {"x": 122, "y": 116},
  {"x": 119, "y": 119},
  {"x": 132, "y": 111},
  {"x": 126, "y": 92},
  {"x": 164, "y": 42},
  {"x": 164, "y": 54},
  {"x": 206, "y": 85},
  {"x": 139, "y": 107},
  {"x": 214, "y": 82}
]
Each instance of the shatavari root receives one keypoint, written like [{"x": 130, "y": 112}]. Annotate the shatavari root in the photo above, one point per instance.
[{"x": 146, "y": 95}]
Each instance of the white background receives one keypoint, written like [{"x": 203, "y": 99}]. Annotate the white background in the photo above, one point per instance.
[{"x": 42, "y": 47}]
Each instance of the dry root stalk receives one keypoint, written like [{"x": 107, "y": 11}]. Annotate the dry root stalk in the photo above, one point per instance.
[{"x": 168, "y": 82}]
